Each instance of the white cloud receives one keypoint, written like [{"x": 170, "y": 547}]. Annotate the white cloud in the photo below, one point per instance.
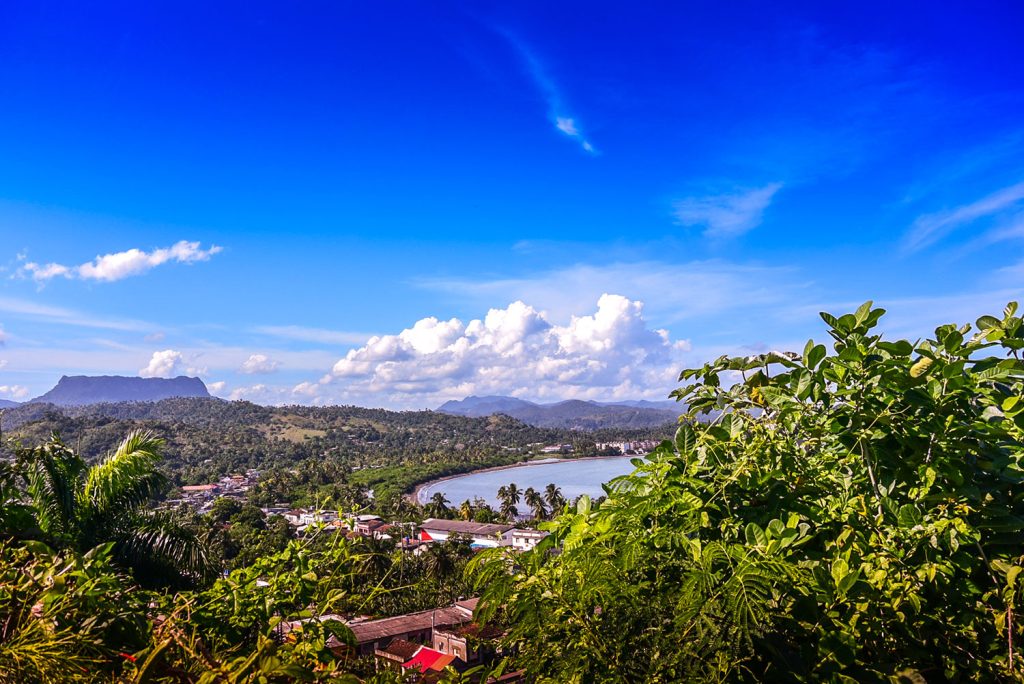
[
  {"x": 158, "y": 336},
  {"x": 729, "y": 215},
  {"x": 216, "y": 387},
  {"x": 3, "y": 363},
  {"x": 609, "y": 354},
  {"x": 163, "y": 364},
  {"x": 45, "y": 272},
  {"x": 567, "y": 126},
  {"x": 14, "y": 391},
  {"x": 263, "y": 394},
  {"x": 930, "y": 228},
  {"x": 259, "y": 364},
  {"x": 51, "y": 314},
  {"x": 119, "y": 265},
  {"x": 557, "y": 110},
  {"x": 318, "y": 335}
]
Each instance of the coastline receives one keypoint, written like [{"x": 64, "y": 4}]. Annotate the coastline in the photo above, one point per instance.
[{"x": 414, "y": 497}]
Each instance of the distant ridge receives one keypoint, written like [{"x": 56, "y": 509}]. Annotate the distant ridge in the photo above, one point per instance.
[
  {"x": 573, "y": 414},
  {"x": 7, "y": 403},
  {"x": 78, "y": 390}
]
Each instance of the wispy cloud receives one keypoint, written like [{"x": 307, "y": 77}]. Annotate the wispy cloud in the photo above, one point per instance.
[
  {"x": 51, "y": 314},
  {"x": 119, "y": 265},
  {"x": 728, "y": 215},
  {"x": 673, "y": 291},
  {"x": 318, "y": 335},
  {"x": 558, "y": 112},
  {"x": 930, "y": 228}
]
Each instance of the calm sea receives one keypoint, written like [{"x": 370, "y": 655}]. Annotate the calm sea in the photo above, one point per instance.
[{"x": 572, "y": 477}]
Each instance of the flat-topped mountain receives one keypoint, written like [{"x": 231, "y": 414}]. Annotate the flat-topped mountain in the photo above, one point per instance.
[
  {"x": 77, "y": 390},
  {"x": 574, "y": 414}
]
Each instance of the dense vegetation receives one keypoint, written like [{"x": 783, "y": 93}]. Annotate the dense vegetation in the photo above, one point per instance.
[{"x": 851, "y": 516}]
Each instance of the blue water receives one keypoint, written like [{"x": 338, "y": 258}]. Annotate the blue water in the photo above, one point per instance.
[{"x": 574, "y": 478}]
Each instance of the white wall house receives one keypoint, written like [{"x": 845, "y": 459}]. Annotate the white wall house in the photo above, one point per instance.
[{"x": 526, "y": 540}]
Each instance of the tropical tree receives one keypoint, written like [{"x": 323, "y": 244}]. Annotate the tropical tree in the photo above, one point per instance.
[
  {"x": 553, "y": 497},
  {"x": 514, "y": 493},
  {"x": 509, "y": 496},
  {"x": 438, "y": 505},
  {"x": 77, "y": 506},
  {"x": 844, "y": 516},
  {"x": 466, "y": 510},
  {"x": 535, "y": 501}
]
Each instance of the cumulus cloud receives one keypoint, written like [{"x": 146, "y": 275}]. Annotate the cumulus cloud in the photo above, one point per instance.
[
  {"x": 729, "y": 215},
  {"x": 263, "y": 394},
  {"x": 14, "y": 391},
  {"x": 258, "y": 364},
  {"x": 609, "y": 354},
  {"x": 119, "y": 265},
  {"x": 163, "y": 364},
  {"x": 216, "y": 387}
]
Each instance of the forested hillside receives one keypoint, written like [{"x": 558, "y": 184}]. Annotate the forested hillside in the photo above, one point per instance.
[{"x": 386, "y": 450}]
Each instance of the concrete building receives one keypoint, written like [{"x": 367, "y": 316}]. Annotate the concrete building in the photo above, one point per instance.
[
  {"x": 481, "y": 534},
  {"x": 526, "y": 540}
]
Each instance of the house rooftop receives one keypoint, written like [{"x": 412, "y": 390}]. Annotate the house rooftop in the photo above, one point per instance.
[
  {"x": 464, "y": 527},
  {"x": 400, "y": 649},
  {"x": 375, "y": 630}
]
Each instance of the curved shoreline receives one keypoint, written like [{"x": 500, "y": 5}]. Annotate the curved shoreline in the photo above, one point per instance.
[{"x": 414, "y": 497}]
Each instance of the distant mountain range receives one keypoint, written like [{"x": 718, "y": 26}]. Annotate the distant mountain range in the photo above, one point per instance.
[
  {"x": 572, "y": 414},
  {"x": 79, "y": 390},
  {"x": 7, "y": 403}
]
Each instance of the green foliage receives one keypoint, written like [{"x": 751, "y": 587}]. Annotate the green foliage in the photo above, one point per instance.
[
  {"x": 64, "y": 616},
  {"x": 72, "y": 505},
  {"x": 848, "y": 515}
]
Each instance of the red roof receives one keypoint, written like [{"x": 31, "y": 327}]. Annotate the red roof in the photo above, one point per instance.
[{"x": 428, "y": 659}]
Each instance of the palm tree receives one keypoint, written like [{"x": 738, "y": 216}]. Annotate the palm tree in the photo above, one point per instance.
[
  {"x": 509, "y": 497},
  {"x": 77, "y": 506},
  {"x": 438, "y": 505},
  {"x": 535, "y": 501},
  {"x": 466, "y": 510},
  {"x": 509, "y": 510},
  {"x": 553, "y": 497},
  {"x": 514, "y": 493}
]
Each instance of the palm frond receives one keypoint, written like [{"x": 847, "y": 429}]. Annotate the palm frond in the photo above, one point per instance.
[
  {"x": 54, "y": 474},
  {"x": 127, "y": 478},
  {"x": 159, "y": 548}
]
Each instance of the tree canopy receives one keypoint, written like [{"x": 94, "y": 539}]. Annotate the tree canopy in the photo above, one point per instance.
[{"x": 852, "y": 514}]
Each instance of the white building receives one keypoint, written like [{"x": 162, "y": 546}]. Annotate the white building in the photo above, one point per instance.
[{"x": 527, "y": 540}]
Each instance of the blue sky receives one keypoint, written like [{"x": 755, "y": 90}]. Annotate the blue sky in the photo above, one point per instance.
[{"x": 394, "y": 205}]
